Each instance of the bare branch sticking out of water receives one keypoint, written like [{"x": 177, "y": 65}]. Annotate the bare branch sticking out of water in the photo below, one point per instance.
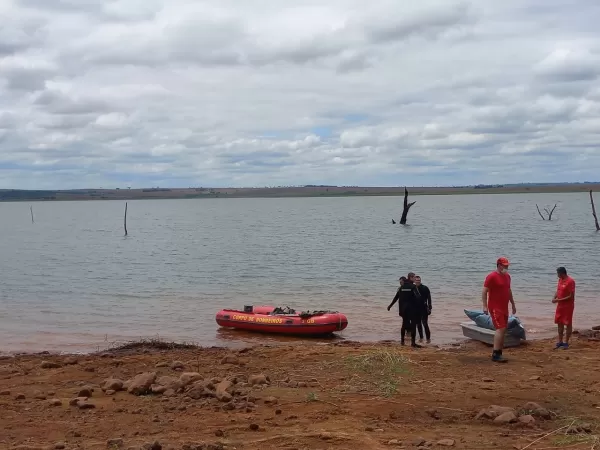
[
  {"x": 594, "y": 211},
  {"x": 539, "y": 212},
  {"x": 407, "y": 207},
  {"x": 549, "y": 212},
  {"x": 31, "y": 210},
  {"x": 125, "y": 219}
]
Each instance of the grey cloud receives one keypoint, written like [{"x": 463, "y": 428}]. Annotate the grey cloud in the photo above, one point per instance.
[
  {"x": 57, "y": 102},
  {"x": 292, "y": 93},
  {"x": 426, "y": 23},
  {"x": 64, "y": 5},
  {"x": 231, "y": 41}
]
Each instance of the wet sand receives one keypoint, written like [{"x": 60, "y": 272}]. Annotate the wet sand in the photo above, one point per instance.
[{"x": 336, "y": 395}]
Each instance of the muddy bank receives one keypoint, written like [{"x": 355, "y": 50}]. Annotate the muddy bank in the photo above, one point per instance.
[{"x": 331, "y": 396}]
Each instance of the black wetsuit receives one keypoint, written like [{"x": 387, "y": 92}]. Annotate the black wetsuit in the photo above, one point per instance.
[
  {"x": 425, "y": 311},
  {"x": 409, "y": 309}
]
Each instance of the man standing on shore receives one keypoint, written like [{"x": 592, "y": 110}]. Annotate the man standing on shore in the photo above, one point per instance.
[
  {"x": 565, "y": 306},
  {"x": 495, "y": 297},
  {"x": 425, "y": 304},
  {"x": 407, "y": 309}
]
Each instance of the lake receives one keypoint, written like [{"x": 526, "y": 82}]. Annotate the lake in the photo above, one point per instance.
[{"x": 72, "y": 281}]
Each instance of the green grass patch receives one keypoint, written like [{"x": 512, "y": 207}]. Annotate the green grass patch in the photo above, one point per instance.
[{"x": 383, "y": 368}]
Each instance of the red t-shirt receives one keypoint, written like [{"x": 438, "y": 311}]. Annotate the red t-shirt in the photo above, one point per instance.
[
  {"x": 565, "y": 287},
  {"x": 498, "y": 285}
]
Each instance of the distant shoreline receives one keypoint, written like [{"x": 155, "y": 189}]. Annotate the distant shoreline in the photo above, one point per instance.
[{"x": 19, "y": 195}]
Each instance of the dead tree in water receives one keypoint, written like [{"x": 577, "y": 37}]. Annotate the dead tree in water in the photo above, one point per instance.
[
  {"x": 125, "y": 219},
  {"x": 549, "y": 212},
  {"x": 406, "y": 207},
  {"x": 594, "y": 211},
  {"x": 31, "y": 210}
]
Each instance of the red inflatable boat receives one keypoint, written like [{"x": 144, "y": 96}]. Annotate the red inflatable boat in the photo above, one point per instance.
[{"x": 270, "y": 319}]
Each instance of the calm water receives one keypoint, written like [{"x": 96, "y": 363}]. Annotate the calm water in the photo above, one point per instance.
[{"x": 71, "y": 281}]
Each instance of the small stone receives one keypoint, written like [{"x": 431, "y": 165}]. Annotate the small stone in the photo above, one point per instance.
[
  {"x": 153, "y": 446},
  {"x": 219, "y": 433},
  {"x": 229, "y": 406},
  {"x": 59, "y": 446},
  {"x": 110, "y": 392},
  {"x": 270, "y": 400},
  {"x": 527, "y": 419},
  {"x": 49, "y": 365},
  {"x": 5, "y": 392},
  {"x": 394, "y": 442},
  {"x": 140, "y": 384},
  {"x": 560, "y": 377},
  {"x": 158, "y": 389},
  {"x": 493, "y": 411},
  {"x": 446, "y": 442},
  {"x": 507, "y": 417},
  {"x": 278, "y": 411},
  {"x": 85, "y": 405},
  {"x": 433, "y": 414},
  {"x": 188, "y": 378},
  {"x": 54, "y": 402},
  {"x": 70, "y": 361},
  {"x": 489, "y": 380},
  {"x": 177, "y": 365},
  {"x": 85, "y": 392},
  {"x": 38, "y": 395},
  {"x": 112, "y": 384},
  {"x": 161, "y": 364},
  {"x": 20, "y": 397},
  {"x": 537, "y": 410},
  {"x": 230, "y": 359},
  {"x": 418, "y": 442},
  {"x": 112, "y": 443},
  {"x": 253, "y": 426},
  {"x": 89, "y": 369},
  {"x": 369, "y": 429},
  {"x": 535, "y": 378},
  {"x": 379, "y": 430},
  {"x": 260, "y": 379}
]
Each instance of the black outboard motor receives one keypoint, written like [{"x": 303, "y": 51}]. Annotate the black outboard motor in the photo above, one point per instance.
[{"x": 248, "y": 308}]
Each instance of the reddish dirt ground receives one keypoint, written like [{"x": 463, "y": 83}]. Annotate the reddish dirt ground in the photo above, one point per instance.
[{"x": 330, "y": 396}]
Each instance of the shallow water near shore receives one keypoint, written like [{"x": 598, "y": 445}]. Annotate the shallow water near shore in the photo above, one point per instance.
[{"x": 72, "y": 282}]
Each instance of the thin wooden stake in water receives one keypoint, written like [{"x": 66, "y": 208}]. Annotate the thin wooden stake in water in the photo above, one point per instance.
[
  {"x": 125, "y": 219},
  {"x": 31, "y": 209},
  {"x": 594, "y": 211}
]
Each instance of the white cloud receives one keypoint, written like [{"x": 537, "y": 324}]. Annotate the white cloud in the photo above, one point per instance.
[{"x": 229, "y": 93}]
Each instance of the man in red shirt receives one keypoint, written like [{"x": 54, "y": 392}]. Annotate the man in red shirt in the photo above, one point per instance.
[
  {"x": 565, "y": 306},
  {"x": 495, "y": 297}
]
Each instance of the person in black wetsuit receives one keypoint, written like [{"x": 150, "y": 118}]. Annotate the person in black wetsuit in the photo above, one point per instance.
[
  {"x": 425, "y": 309},
  {"x": 408, "y": 309}
]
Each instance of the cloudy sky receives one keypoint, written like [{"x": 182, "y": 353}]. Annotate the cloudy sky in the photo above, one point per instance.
[{"x": 108, "y": 93}]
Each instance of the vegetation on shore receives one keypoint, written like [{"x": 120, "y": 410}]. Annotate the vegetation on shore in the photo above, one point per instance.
[{"x": 275, "y": 192}]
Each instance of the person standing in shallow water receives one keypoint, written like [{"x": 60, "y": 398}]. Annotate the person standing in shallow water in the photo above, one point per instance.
[
  {"x": 425, "y": 305},
  {"x": 407, "y": 309},
  {"x": 565, "y": 306},
  {"x": 495, "y": 297}
]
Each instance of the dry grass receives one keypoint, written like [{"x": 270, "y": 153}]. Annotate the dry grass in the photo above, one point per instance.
[{"x": 381, "y": 368}]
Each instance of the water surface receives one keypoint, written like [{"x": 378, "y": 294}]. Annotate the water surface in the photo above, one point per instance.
[{"x": 71, "y": 281}]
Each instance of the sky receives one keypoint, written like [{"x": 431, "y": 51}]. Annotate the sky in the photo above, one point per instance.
[{"x": 243, "y": 93}]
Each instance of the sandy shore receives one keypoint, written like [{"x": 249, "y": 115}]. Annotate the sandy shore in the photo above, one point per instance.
[{"x": 330, "y": 396}]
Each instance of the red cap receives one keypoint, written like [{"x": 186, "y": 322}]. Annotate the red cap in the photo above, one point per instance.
[{"x": 502, "y": 261}]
